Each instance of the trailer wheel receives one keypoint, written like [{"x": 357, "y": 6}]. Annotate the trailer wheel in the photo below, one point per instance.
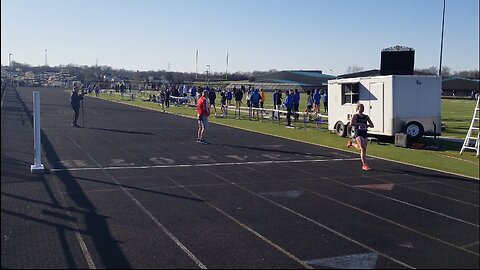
[
  {"x": 350, "y": 131},
  {"x": 414, "y": 130},
  {"x": 340, "y": 129}
]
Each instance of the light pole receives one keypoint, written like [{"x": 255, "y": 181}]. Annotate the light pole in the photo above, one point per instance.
[
  {"x": 208, "y": 71},
  {"x": 441, "y": 42},
  {"x": 46, "y": 57}
]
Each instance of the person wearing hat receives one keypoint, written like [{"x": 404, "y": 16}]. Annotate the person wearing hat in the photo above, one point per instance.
[
  {"x": 203, "y": 111},
  {"x": 75, "y": 98}
]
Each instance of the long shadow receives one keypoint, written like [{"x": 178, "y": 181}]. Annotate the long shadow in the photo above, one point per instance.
[
  {"x": 436, "y": 175},
  {"x": 122, "y": 131},
  {"x": 142, "y": 189},
  {"x": 263, "y": 149},
  {"x": 96, "y": 224},
  {"x": 56, "y": 206}
]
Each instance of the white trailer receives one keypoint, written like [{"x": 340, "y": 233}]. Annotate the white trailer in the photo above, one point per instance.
[{"x": 395, "y": 103}]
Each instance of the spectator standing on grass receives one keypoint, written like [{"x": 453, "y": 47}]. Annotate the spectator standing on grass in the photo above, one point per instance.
[
  {"x": 229, "y": 97},
  {"x": 162, "y": 98},
  {"x": 238, "y": 98},
  {"x": 308, "y": 110},
  {"x": 255, "y": 102},
  {"x": 262, "y": 98},
  {"x": 325, "y": 100},
  {"x": 167, "y": 97},
  {"x": 279, "y": 101},
  {"x": 360, "y": 122},
  {"x": 193, "y": 94},
  {"x": 203, "y": 111},
  {"x": 316, "y": 101},
  {"x": 274, "y": 99},
  {"x": 289, "y": 106},
  {"x": 473, "y": 94},
  {"x": 223, "y": 102},
  {"x": 249, "y": 94},
  {"x": 212, "y": 96},
  {"x": 122, "y": 89},
  {"x": 97, "y": 89},
  {"x": 296, "y": 103}
]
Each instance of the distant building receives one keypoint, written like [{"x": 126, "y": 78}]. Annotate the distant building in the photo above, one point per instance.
[
  {"x": 463, "y": 87},
  {"x": 303, "y": 80}
]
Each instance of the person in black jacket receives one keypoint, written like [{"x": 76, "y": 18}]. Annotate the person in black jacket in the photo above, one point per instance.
[{"x": 75, "y": 98}]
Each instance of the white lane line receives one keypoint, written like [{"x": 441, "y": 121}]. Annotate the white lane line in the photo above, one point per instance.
[
  {"x": 257, "y": 234},
  {"x": 76, "y": 230},
  {"x": 471, "y": 244},
  {"x": 152, "y": 217},
  {"x": 405, "y": 185},
  {"x": 372, "y": 214},
  {"x": 199, "y": 165},
  {"x": 388, "y": 198},
  {"x": 314, "y": 222}
]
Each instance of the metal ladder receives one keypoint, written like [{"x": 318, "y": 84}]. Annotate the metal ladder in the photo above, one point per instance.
[{"x": 474, "y": 128}]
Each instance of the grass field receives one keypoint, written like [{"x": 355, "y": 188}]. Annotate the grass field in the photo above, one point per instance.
[{"x": 456, "y": 114}]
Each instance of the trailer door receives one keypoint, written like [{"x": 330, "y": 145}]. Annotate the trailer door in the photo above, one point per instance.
[{"x": 375, "y": 107}]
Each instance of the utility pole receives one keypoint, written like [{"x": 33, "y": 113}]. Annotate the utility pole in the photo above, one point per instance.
[
  {"x": 208, "y": 71},
  {"x": 226, "y": 69},
  {"x": 441, "y": 42}
]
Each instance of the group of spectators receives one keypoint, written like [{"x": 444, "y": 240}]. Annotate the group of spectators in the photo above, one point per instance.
[
  {"x": 292, "y": 103},
  {"x": 255, "y": 98}
]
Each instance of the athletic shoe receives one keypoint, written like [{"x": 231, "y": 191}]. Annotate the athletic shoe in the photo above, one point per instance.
[
  {"x": 202, "y": 141},
  {"x": 349, "y": 143},
  {"x": 198, "y": 140},
  {"x": 366, "y": 167}
]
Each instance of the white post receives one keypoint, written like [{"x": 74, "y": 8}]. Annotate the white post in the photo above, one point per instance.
[{"x": 37, "y": 167}]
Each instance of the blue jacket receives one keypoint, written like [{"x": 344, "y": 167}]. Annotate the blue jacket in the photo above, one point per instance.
[
  {"x": 255, "y": 97},
  {"x": 316, "y": 98},
  {"x": 296, "y": 98},
  {"x": 289, "y": 101}
]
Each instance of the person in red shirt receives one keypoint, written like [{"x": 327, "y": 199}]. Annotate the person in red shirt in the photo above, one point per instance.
[{"x": 203, "y": 111}]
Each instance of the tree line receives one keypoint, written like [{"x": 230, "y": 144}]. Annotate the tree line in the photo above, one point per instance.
[
  {"x": 99, "y": 73},
  {"x": 446, "y": 72}
]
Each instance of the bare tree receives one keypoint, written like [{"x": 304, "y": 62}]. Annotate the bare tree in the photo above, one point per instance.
[
  {"x": 446, "y": 71},
  {"x": 353, "y": 69},
  {"x": 430, "y": 70},
  {"x": 470, "y": 74}
]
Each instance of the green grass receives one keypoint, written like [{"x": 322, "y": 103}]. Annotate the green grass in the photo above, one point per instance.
[
  {"x": 457, "y": 115},
  {"x": 445, "y": 158}
]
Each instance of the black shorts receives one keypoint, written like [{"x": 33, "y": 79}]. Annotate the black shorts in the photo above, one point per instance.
[{"x": 360, "y": 133}]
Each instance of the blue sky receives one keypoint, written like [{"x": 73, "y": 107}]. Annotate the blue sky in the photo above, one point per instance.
[{"x": 258, "y": 34}]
